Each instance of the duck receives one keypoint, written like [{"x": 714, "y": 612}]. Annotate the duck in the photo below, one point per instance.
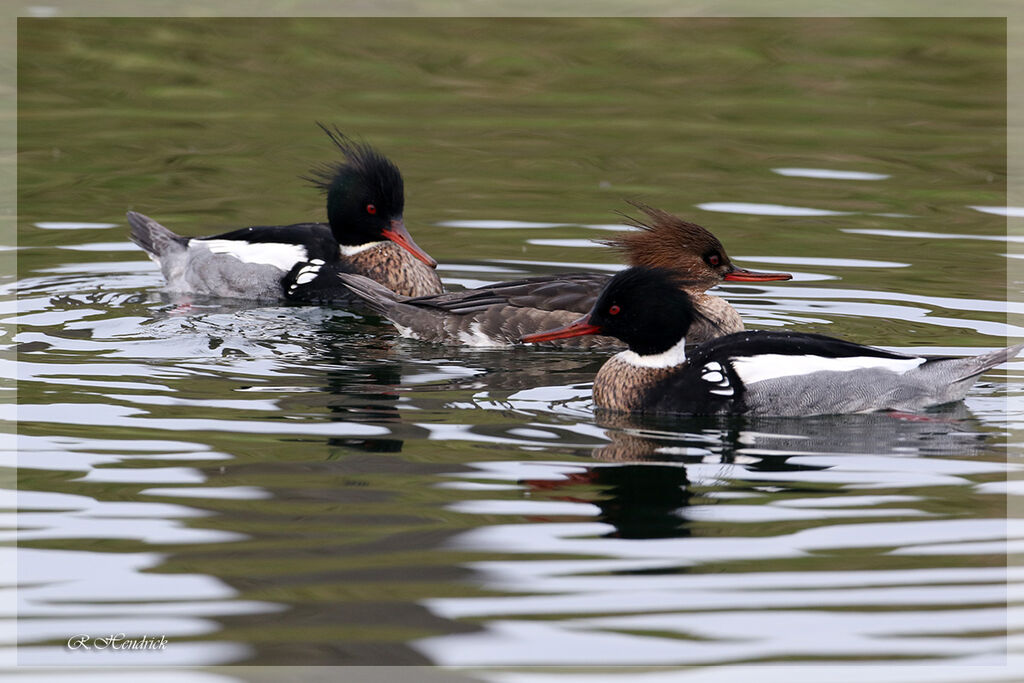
[
  {"x": 365, "y": 234},
  {"x": 497, "y": 315},
  {"x": 757, "y": 373}
]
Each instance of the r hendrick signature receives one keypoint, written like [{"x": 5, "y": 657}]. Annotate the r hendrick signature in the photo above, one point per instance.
[{"x": 116, "y": 641}]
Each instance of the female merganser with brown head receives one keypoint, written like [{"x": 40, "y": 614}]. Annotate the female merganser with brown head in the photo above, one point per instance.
[
  {"x": 752, "y": 373},
  {"x": 365, "y": 234},
  {"x": 499, "y": 314}
]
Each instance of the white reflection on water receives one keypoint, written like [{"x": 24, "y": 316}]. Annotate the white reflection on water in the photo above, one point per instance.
[
  {"x": 768, "y": 209},
  {"x": 1010, "y": 211},
  {"x": 784, "y": 260},
  {"x": 218, "y": 492},
  {"x": 820, "y": 261},
  {"x": 75, "y": 454},
  {"x": 102, "y": 246},
  {"x": 525, "y": 507},
  {"x": 652, "y": 604},
  {"x": 490, "y": 224},
  {"x": 484, "y": 224},
  {"x": 592, "y": 538},
  {"x": 101, "y": 413},
  {"x": 72, "y": 225},
  {"x": 116, "y": 590},
  {"x": 184, "y": 653},
  {"x": 932, "y": 235},
  {"x": 632, "y": 641},
  {"x": 810, "y": 299},
  {"x": 566, "y": 265},
  {"x": 133, "y": 675},
  {"x": 964, "y": 670},
  {"x": 829, "y": 174}
]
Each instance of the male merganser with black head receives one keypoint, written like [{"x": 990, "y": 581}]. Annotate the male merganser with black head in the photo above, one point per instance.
[
  {"x": 499, "y": 314},
  {"x": 752, "y": 373},
  {"x": 365, "y": 234}
]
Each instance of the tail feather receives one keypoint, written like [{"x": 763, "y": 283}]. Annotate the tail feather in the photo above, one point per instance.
[
  {"x": 986, "y": 361},
  {"x": 943, "y": 380},
  {"x": 153, "y": 237},
  {"x": 376, "y": 296}
]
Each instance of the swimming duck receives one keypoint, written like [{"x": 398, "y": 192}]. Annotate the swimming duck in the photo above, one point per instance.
[
  {"x": 752, "y": 373},
  {"x": 501, "y": 313},
  {"x": 365, "y": 234}
]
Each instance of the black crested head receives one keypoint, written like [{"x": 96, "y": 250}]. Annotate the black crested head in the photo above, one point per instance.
[
  {"x": 364, "y": 191},
  {"x": 646, "y": 308}
]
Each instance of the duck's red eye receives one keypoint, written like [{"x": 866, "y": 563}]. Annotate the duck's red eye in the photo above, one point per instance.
[
  {"x": 371, "y": 209},
  {"x": 614, "y": 310},
  {"x": 714, "y": 260}
]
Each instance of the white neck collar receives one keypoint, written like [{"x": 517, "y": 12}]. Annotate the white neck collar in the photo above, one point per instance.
[
  {"x": 347, "y": 250},
  {"x": 666, "y": 359}
]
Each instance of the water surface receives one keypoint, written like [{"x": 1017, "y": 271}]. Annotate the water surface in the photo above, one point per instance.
[{"x": 296, "y": 485}]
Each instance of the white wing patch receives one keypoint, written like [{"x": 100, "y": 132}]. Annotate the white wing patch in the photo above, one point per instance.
[
  {"x": 277, "y": 254},
  {"x": 306, "y": 274},
  {"x": 476, "y": 336},
  {"x": 775, "y": 365},
  {"x": 714, "y": 374}
]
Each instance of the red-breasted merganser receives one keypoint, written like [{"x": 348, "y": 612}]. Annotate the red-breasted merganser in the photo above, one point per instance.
[
  {"x": 365, "y": 234},
  {"x": 501, "y": 313},
  {"x": 752, "y": 373}
]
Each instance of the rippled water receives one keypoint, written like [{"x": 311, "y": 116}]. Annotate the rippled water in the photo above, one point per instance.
[{"x": 296, "y": 485}]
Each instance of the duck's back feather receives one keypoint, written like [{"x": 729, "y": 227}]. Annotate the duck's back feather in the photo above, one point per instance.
[
  {"x": 573, "y": 292},
  {"x": 794, "y": 374},
  {"x": 315, "y": 238}
]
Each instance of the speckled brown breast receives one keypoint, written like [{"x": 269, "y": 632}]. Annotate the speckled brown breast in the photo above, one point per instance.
[
  {"x": 396, "y": 269},
  {"x": 622, "y": 386}
]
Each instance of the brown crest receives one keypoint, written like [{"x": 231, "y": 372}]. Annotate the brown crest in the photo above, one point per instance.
[{"x": 667, "y": 241}]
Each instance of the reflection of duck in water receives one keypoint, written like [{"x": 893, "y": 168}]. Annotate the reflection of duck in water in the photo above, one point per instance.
[
  {"x": 499, "y": 314},
  {"x": 365, "y": 234},
  {"x": 767, "y": 444},
  {"x": 640, "y": 501},
  {"x": 751, "y": 373},
  {"x": 648, "y": 500},
  {"x": 334, "y": 385},
  {"x": 643, "y": 501}
]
